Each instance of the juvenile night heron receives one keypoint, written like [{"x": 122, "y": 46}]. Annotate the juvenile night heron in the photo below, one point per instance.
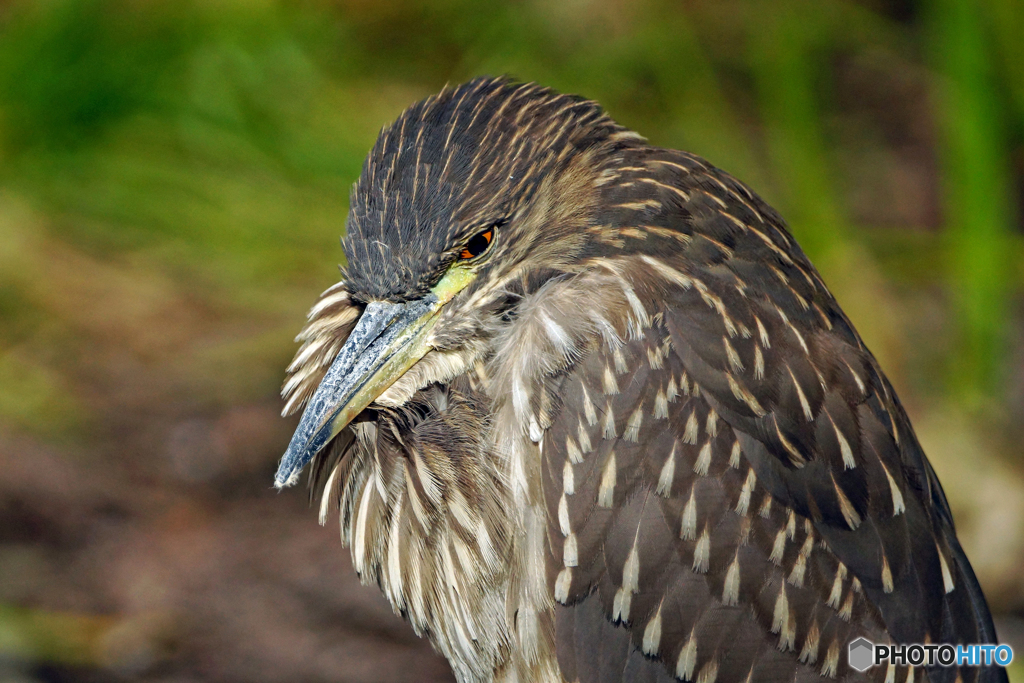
[{"x": 590, "y": 414}]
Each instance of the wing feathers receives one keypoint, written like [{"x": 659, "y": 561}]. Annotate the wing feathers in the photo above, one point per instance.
[{"x": 770, "y": 502}]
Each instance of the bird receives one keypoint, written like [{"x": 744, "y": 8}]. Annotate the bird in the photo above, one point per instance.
[{"x": 586, "y": 412}]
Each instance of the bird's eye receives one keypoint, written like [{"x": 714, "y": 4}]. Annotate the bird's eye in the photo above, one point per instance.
[{"x": 477, "y": 244}]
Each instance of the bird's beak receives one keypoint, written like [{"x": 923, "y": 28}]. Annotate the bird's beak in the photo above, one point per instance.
[{"x": 388, "y": 340}]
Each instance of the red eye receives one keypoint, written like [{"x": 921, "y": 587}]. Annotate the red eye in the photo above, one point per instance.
[{"x": 477, "y": 244}]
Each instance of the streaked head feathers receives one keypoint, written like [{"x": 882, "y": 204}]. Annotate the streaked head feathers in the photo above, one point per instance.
[{"x": 450, "y": 166}]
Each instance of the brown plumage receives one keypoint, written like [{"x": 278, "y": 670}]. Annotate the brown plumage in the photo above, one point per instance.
[{"x": 589, "y": 414}]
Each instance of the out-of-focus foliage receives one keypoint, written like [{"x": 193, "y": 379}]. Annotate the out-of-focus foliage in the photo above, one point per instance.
[{"x": 173, "y": 182}]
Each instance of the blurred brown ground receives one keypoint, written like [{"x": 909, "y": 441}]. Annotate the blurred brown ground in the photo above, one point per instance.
[{"x": 173, "y": 181}]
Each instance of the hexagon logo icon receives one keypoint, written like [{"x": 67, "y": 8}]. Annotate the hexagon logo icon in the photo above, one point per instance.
[{"x": 862, "y": 654}]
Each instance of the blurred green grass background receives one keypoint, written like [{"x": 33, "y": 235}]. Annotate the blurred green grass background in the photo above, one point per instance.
[{"x": 173, "y": 182}]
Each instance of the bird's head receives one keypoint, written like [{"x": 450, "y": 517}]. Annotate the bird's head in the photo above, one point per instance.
[{"x": 471, "y": 200}]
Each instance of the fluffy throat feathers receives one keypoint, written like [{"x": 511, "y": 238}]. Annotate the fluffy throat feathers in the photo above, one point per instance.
[{"x": 414, "y": 481}]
